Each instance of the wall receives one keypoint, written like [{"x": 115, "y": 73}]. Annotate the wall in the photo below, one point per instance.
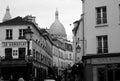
[
  {"x": 92, "y": 30},
  {"x": 15, "y": 36}
]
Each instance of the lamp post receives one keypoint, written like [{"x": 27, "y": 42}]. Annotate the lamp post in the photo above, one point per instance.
[
  {"x": 78, "y": 49},
  {"x": 28, "y": 36}
]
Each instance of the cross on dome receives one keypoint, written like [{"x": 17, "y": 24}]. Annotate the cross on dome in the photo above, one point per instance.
[{"x": 56, "y": 14}]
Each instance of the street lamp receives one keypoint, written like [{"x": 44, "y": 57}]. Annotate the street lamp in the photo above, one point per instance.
[
  {"x": 28, "y": 36},
  {"x": 78, "y": 49}
]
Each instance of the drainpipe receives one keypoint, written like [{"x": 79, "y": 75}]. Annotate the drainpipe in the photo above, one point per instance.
[{"x": 83, "y": 28}]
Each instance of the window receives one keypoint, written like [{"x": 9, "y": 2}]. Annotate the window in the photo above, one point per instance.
[
  {"x": 101, "y": 74},
  {"x": 8, "y": 33},
  {"x": 15, "y": 53},
  {"x": 22, "y": 53},
  {"x": 21, "y": 33},
  {"x": 70, "y": 56},
  {"x": 101, "y": 14},
  {"x": 8, "y": 53},
  {"x": 34, "y": 54},
  {"x": 102, "y": 44}
]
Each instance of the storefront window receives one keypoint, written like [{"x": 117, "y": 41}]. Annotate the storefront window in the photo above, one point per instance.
[
  {"x": 101, "y": 74},
  {"x": 113, "y": 72},
  {"x": 110, "y": 72},
  {"x": 110, "y": 75},
  {"x": 117, "y": 75}
]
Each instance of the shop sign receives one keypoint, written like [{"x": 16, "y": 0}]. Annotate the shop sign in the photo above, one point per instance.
[
  {"x": 107, "y": 60},
  {"x": 13, "y": 44}
]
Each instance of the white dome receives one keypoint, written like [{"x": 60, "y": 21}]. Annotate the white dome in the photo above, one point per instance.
[{"x": 57, "y": 28}]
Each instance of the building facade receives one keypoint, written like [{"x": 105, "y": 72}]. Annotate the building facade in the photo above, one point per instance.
[
  {"x": 62, "y": 56},
  {"x": 78, "y": 41},
  {"x": 61, "y": 52},
  {"x": 69, "y": 59},
  {"x": 102, "y": 52},
  {"x": 15, "y": 60}
]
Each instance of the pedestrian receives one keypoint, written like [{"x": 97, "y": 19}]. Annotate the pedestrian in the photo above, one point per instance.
[
  {"x": 11, "y": 78},
  {"x": 1, "y": 78},
  {"x": 20, "y": 79}
]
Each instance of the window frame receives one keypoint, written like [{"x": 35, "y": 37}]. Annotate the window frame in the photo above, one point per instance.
[
  {"x": 21, "y": 53},
  {"x": 9, "y": 34},
  {"x": 102, "y": 44},
  {"x": 15, "y": 53},
  {"x": 21, "y": 34},
  {"x": 101, "y": 15}
]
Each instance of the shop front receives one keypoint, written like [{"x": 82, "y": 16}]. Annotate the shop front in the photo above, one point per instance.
[
  {"x": 15, "y": 69},
  {"x": 102, "y": 67},
  {"x": 40, "y": 71}
]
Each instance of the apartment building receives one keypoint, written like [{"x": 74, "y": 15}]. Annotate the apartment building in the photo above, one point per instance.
[
  {"x": 16, "y": 59},
  {"x": 101, "y": 22}
]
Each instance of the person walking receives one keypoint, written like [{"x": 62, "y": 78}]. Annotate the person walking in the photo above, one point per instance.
[
  {"x": 1, "y": 78},
  {"x": 21, "y": 79},
  {"x": 11, "y": 78}
]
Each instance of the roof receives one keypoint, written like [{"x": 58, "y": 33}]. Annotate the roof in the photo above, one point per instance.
[
  {"x": 57, "y": 27},
  {"x": 46, "y": 34},
  {"x": 16, "y": 21},
  {"x": 76, "y": 27},
  {"x": 19, "y": 21}
]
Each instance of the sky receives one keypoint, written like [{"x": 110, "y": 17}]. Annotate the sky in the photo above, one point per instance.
[{"x": 44, "y": 11}]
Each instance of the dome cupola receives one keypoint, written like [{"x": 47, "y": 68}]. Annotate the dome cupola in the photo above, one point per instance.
[{"x": 57, "y": 29}]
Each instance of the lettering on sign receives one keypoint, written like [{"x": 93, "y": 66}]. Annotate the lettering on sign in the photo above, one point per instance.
[{"x": 13, "y": 44}]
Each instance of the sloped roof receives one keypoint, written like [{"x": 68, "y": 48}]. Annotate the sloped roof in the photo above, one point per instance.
[
  {"x": 76, "y": 27},
  {"x": 16, "y": 21}
]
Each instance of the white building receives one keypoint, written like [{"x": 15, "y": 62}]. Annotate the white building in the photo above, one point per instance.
[
  {"x": 101, "y": 20},
  {"x": 69, "y": 58},
  {"x": 78, "y": 41},
  {"x": 15, "y": 60}
]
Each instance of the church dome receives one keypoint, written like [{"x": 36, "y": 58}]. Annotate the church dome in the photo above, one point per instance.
[{"x": 57, "y": 27}]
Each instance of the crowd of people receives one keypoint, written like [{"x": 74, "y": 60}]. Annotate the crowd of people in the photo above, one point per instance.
[{"x": 11, "y": 79}]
